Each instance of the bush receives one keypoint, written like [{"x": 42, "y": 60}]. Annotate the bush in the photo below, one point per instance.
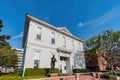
[
  {"x": 17, "y": 72},
  {"x": 34, "y": 72},
  {"x": 105, "y": 76},
  {"x": 38, "y": 71},
  {"x": 11, "y": 78},
  {"x": 81, "y": 70}
]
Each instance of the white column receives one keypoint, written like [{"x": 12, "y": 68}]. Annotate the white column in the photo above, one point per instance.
[{"x": 59, "y": 60}]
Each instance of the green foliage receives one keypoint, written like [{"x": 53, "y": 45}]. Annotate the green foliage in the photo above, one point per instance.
[
  {"x": 38, "y": 71},
  {"x": 81, "y": 70},
  {"x": 17, "y": 72},
  {"x": 107, "y": 44},
  {"x": 10, "y": 78},
  {"x": 3, "y": 38},
  {"x": 8, "y": 57},
  {"x": 105, "y": 76},
  {"x": 34, "y": 72}
]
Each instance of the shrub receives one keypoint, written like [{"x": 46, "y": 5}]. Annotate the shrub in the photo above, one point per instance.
[
  {"x": 35, "y": 72},
  {"x": 81, "y": 70},
  {"x": 38, "y": 71},
  {"x": 11, "y": 78},
  {"x": 56, "y": 70},
  {"x": 105, "y": 76},
  {"x": 17, "y": 72}
]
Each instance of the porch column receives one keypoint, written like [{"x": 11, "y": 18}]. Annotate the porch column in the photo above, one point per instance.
[{"x": 59, "y": 60}]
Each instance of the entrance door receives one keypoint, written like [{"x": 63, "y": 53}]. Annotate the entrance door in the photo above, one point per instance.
[{"x": 63, "y": 64}]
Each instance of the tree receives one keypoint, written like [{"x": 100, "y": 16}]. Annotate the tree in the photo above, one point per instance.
[
  {"x": 8, "y": 56},
  {"x": 3, "y": 38},
  {"x": 107, "y": 45}
]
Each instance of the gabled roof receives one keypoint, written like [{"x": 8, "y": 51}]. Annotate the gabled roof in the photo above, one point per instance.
[{"x": 62, "y": 30}]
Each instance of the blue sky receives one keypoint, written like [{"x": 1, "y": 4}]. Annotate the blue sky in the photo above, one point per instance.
[{"x": 84, "y": 18}]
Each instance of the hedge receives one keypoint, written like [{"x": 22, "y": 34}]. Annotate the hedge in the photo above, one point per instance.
[
  {"x": 17, "y": 72},
  {"x": 38, "y": 71},
  {"x": 81, "y": 70},
  {"x": 10, "y": 78}
]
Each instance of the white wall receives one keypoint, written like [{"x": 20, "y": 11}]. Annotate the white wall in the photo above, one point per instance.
[{"x": 46, "y": 48}]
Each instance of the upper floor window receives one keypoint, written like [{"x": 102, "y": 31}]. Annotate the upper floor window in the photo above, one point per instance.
[
  {"x": 80, "y": 46},
  {"x": 38, "y": 30},
  {"x": 64, "y": 42},
  {"x": 38, "y": 35},
  {"x": 72, "y": 44},
  {"x": 53, "y": 38}
]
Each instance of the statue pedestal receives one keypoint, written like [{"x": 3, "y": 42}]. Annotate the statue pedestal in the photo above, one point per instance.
[{"x": 53, "y": 75}]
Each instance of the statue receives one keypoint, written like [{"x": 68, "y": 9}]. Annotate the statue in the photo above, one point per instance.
[{"x": 53, "y": 60}]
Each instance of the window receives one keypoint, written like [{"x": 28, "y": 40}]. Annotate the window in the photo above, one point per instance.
[
  {"x": 72, "y": 44},
  {"x": 53, "y": 38},
  {"x": 80, "y": 46},
  {"x": 38, "y": 35},
  {"x": 64, "y": 42},
  {"x": 38, "y": 29},
  {"x": 36, "y": 59}
]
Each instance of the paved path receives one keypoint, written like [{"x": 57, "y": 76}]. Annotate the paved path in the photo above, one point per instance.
[{"x": 87, "y": 77}]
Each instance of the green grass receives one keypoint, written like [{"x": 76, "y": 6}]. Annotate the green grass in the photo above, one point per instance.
[{"x": 11, "y": 78}]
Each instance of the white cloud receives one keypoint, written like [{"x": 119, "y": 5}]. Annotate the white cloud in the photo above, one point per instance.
[
  {"x": 80, "y": 24},
  {"x": 18, "y": 36},
  {"x": 110, "y": 15}
]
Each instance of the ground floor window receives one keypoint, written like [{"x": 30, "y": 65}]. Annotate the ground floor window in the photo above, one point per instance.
[{"x": 36, "y": 59}]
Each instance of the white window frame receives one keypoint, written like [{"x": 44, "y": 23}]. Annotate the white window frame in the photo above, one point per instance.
[
  {"x": 52, "y": 38},
  {"x": 64, "y": 41},
  {"x": 36, "y": 57},
  {"x": 38, "y": 32}
]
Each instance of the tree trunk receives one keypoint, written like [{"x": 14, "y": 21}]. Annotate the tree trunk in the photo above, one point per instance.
[{"x": 113, "y": 70}]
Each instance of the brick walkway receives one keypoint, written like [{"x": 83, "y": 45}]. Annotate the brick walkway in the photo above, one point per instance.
[
  {"x": 72, "y": 77},
  {"x": 87, "y": 77}
]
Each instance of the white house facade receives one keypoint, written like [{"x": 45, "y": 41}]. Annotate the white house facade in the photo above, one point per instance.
[{"x": 42, "y": 40}]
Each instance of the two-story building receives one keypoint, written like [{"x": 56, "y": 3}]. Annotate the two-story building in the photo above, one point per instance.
[{"x": 42, "y": 40}]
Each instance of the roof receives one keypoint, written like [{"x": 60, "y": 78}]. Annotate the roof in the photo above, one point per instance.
[{"x": 62, "y": 30}]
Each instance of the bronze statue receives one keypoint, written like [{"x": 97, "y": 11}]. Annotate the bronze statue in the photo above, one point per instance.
[{"x": 53, "y": 60}]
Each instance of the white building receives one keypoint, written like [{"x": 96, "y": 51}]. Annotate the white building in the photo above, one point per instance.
[
  {"x": 42, "y": 40},
  {"x": 20, "y": 57}
]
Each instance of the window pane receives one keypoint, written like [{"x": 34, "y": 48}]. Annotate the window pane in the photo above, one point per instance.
[
  {"x": 36, "y": 63},
  {"x": 38, "y": 33},
  {"x": 64, "y": 42},
  {"x": 38, "y": 36},
  {"x": 53, "y": 41},
  {"x": 39, "y": 30},
  {"x": 72, "y": 44},
  {"x": 53, "y": 38},
  {"x": 36, "y": 59}
]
